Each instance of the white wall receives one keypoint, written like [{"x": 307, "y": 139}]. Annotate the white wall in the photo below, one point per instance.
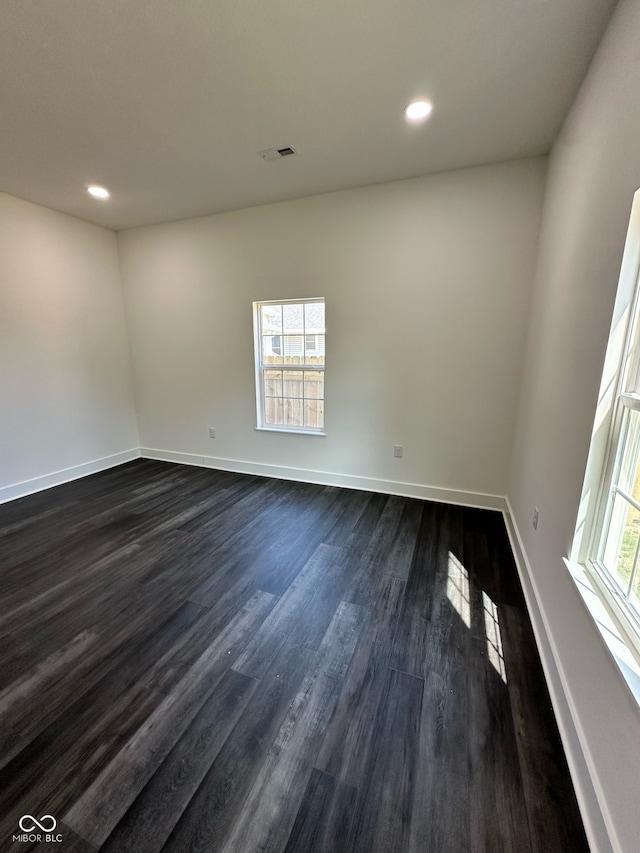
[
  {"x": 594, "y": 172},
  {"x": 65, "y": 380},
  {"x": 426, "y": 283}
]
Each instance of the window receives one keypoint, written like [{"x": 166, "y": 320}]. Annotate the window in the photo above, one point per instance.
[
  {"x": 607, "y": 539},
  {"x": 618, "y": 554},
  {"x": 289, "y": 351}
]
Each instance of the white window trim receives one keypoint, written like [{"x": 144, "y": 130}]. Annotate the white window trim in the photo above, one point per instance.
[
  {"x": 623, "y": 616},
  {"x": 261, "y": 426},
  {"x": 628, "y": 373},
  {"x": 619, "y": 641},
  {"x": 290, "y": 430}
]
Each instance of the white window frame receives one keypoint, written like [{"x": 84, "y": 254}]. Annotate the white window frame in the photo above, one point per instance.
[
  {"x": 619, "y": 396},
  {"x": 608, "y": 584},
  {"x": 260, "y": 367}
]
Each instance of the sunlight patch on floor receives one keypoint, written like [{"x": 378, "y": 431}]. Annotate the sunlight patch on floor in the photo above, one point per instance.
[
  {"x": 494, "y": 637},
  {"x": 458, "y": 589}
]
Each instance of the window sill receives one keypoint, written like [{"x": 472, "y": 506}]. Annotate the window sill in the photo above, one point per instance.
[
  {"x": 286, "y": 431},
  {"x": 620, "y": 647}
]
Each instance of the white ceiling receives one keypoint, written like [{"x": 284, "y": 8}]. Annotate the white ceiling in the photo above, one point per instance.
[{"x": 166, "y": 102}]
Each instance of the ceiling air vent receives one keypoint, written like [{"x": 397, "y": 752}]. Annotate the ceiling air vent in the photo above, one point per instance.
[{"x": 276, "y": 153}]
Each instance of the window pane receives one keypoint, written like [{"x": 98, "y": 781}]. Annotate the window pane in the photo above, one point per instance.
[
  {"x": 271, "y": 319},
  {"x": 314, "y": 317},
  {"x": 273, "y": 410},
  {"x": 629, "y": 479},
  {"x": 622, "y": 541},
  {"x": 273, "y": 383},
  {"x": 272, "y": 349},
  {"x": 293, "y": 412},
  {"x": 315, "y": 356},
  {"x": 293, "y": 318},
  {"x": 313, "y": 384},
  {"x": 293, "y": 346},
  {"x": 314, "y": 414},
  {"x": 293, "y": 383},
  {"x": 635, "y": 591}
]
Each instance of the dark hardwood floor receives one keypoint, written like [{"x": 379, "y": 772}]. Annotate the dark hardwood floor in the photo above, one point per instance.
[{"x": 194, "y": 660}]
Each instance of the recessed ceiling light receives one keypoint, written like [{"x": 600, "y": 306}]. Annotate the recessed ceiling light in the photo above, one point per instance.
[
  {"x": 417, "y": 111},
  {"x": 98, "y": 192}
]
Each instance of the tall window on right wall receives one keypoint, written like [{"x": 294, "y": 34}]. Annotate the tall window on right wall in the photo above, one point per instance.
[
  {"x": 608, "y": 539},
  {"x": 618, "y": 552}
]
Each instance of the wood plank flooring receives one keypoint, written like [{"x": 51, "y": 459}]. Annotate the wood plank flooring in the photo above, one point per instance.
[{"x": 194, "y": 660}]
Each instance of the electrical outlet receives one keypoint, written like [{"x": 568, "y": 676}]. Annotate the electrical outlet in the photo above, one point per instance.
[
  {"x": 534, "y": 520},
  {"x": 397, "y": 451},
  {"x": 212, "y": 432}
]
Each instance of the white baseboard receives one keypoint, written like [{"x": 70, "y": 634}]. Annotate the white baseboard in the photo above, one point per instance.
[
  {"x": 327, "y": 478},
  {"x": 584, "y": 781},
  {"x": 56, "y": 478}
]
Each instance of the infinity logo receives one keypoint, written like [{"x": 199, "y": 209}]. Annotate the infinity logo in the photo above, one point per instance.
[{"x": 42, "y": 826}]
